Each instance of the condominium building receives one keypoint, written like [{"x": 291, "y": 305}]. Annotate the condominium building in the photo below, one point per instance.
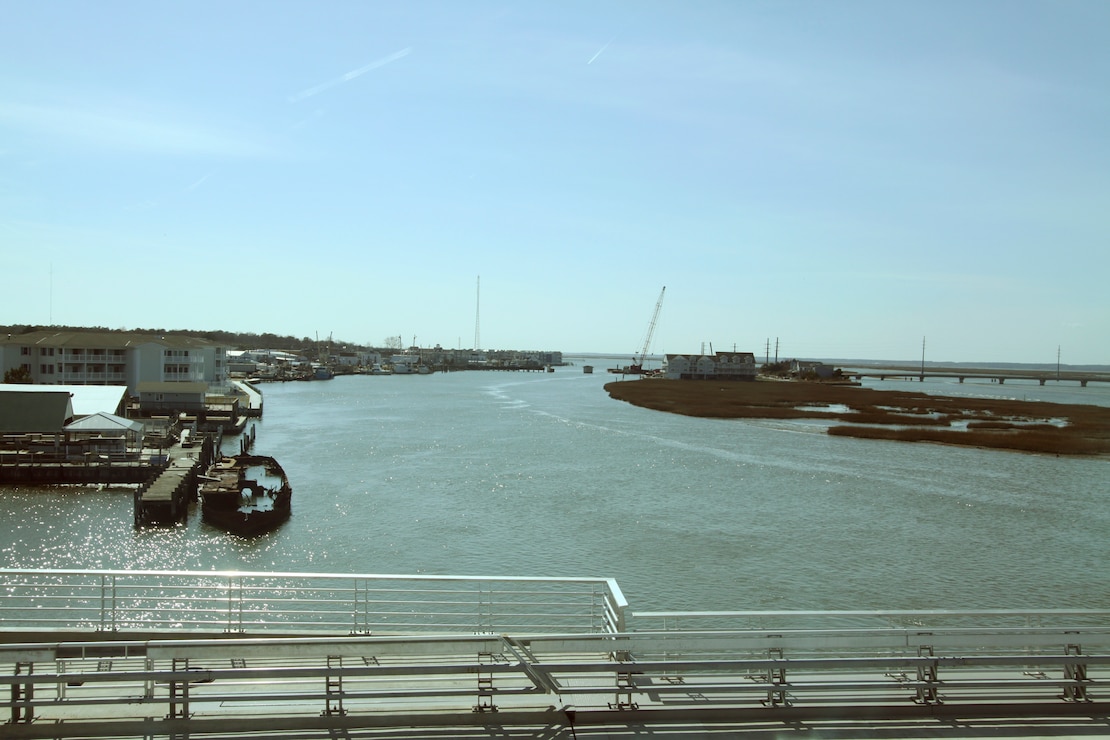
[
  {"x": 719, "y": 366},
  {"x": 113, "y": 358}
]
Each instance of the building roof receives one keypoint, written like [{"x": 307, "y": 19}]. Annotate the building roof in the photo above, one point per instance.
[
  {"x": 104, "y": 339},
  {"x": 172, "y": 386},
  {"x": 30, "y": 412},
  {"x": 87, "y": 399},
  {"x": 101, "y": 422}
]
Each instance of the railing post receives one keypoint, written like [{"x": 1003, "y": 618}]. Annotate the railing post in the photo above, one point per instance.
[
  {"x": 776, "y": 678},
  {"x": 485, "y": 685},
  {"x": 103, "y": 602},
  {"x": 354, "y": 608},
  {"x": 179, "y": 691},
  {"x": 234, "y": 585},
  {"x": 1075, "y": 672},
  {"x": 626, "y": 685},
  {"x": 927, "y": 674},
  {"x": 22, "y": 696},
  {"x": 148, "y": 686},
  {"x": 616, "y": 604},
  {"x": 107, "y": 603},
  {"x": 333, "y": 688}
]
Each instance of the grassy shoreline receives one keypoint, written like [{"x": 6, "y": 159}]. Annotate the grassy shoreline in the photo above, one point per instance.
[{"x": 905, "y": 416}]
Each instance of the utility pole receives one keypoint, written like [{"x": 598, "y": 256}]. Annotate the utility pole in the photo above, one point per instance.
[
  {"x": 1057, "y": 363},
  {"x": 776, "y": 350},
  {"x": 922, "y": 378},
  {"x": 768, "y": 360}
]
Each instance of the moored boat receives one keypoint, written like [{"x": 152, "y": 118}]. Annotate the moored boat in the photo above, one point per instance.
[{"x": 246, "y": 495}]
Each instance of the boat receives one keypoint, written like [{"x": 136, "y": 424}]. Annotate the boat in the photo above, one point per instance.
[
  {"x": 404, "y": 364},
  {"x": 246, "y": 495}
]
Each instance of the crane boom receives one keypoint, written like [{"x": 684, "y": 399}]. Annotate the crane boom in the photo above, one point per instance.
[{"x": 651, "y": 329}]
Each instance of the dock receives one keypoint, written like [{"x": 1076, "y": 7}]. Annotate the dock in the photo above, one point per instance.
[{"x": 165, "y": 496}]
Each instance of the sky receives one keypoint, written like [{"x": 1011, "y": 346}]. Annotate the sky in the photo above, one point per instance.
[{"x": 835, "y": 179}]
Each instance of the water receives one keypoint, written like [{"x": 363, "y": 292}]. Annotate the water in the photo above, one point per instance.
[{"x": 541, "y": 474}]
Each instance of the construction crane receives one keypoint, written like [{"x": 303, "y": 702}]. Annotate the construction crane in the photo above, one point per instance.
[{"x": 637, "y": 366}]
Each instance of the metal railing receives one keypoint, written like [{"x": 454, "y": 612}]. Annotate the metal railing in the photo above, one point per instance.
[
  {"x": 865, "y": 619},
  {"x": 114, "y": 687},
  {"x": 244, "y": 602}
]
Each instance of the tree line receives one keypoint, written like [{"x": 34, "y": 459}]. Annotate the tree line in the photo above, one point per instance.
[{"x": 241, "y": 340}]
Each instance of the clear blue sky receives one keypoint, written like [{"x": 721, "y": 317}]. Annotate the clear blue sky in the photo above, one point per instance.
[{"x": 847, "y": 177}]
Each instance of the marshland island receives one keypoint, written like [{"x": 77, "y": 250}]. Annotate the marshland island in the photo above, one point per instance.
[{"x": 906, "y": 416}]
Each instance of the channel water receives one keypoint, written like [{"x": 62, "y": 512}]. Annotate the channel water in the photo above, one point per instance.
[{"x": 542, "y": 474}]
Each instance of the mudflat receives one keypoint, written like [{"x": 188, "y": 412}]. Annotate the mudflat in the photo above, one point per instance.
[{"x": 905, "y": 416}]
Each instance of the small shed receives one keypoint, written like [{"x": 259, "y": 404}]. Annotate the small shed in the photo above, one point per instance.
[{"x": 171, "y": 397}]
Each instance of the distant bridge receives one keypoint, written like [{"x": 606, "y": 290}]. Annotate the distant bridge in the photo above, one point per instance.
[{"x": 996, "y": 376}]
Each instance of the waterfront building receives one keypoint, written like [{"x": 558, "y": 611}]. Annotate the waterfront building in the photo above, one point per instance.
[
  {"x": 718, "y": 366},
  {"x": 85, "y": 399},
  {"x": 113, "y": 358},
  {"x": 31, "y": 412}
]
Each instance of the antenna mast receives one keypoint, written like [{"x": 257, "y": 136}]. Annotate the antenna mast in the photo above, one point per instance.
[{"x": 477, "y": 308}]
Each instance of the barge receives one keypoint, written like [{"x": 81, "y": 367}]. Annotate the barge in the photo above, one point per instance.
[{"x": 246, "y": 495}]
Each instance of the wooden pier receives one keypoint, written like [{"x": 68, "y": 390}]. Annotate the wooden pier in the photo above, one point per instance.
[
  {"x": 165, "y": 497},
  {"x": 41, "y": 469}
]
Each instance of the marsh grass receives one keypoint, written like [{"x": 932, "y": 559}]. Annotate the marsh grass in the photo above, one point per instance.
[{"x": 905, "y": 416}]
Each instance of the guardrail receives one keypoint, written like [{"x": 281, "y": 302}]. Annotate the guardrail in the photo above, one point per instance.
[
  {"x": 866, "y": 619},
  {"x": 114, "y": 688},
  {"x": 245, "y": 602}
]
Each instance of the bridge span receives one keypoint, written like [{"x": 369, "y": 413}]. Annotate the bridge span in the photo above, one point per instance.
[
  {"x": 123, "y": 654},
  {"x": 995, "y": 376}
]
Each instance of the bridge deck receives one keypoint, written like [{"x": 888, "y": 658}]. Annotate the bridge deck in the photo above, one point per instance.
[{"x": 72, "y": 662}]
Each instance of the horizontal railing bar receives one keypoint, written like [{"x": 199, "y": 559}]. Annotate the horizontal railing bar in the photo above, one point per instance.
[
  {"x": 48, "y": 654},
  {"x": 207, "y": 675},
  {"x": 234, "y": 574},
  {"x": 875, "y": 613}
]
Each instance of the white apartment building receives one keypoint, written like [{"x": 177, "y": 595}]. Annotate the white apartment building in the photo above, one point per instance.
[
  {"x": 113, "y": 358},
  {"x": 719, "y": 366}
]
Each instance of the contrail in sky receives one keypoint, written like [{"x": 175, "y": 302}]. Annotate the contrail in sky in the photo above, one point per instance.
[
  {"x": 199, "y": 182},
  {"x": 349, "y": 76},
  {"x": 595, "y": 56}
]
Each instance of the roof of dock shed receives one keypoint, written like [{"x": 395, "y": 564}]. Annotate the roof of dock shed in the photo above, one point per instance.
[
  {"x": 87, "y": 399},
  {"x": 28, "y": 412}
]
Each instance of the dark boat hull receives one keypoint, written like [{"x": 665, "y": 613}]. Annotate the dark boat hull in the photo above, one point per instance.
[
  {"x": 244, "y": 505},
  {"x": 245, "y": 523}
]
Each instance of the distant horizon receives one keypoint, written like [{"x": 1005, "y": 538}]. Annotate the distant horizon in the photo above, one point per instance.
[
  {"x": 862, "y": 360},
  {"x": 651, "y": 356}
]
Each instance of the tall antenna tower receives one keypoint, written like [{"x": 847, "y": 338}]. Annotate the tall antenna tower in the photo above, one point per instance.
[{"x": 477, "y": 313}]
